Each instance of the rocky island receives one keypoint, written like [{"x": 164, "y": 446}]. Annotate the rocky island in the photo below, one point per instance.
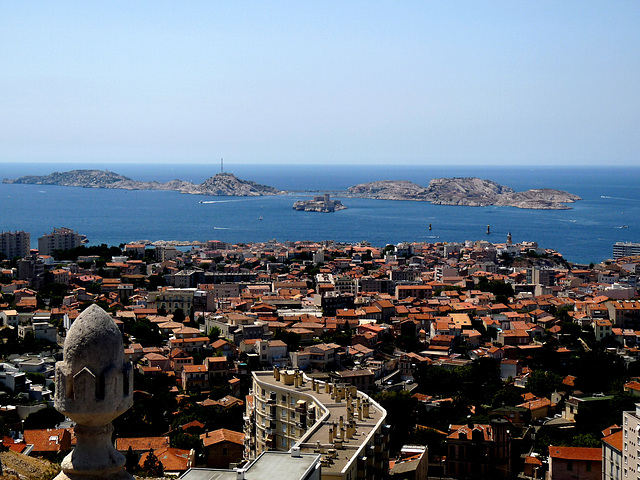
[
  {"x": 219, "y": 184},
  {"x": 322, "y": 204},
  {"x": 467, "y": 191}
]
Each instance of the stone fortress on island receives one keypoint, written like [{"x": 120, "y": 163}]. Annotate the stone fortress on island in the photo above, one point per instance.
[{"x": 322, "y": 203}]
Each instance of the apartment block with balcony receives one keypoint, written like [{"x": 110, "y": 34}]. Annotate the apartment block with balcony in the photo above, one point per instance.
[{"x": 345, "y": 426}]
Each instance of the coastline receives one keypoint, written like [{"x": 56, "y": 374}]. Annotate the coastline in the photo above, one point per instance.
[{"x": 584, "y": 234}]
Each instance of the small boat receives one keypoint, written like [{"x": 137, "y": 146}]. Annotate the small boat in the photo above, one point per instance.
[
  {"x": 260, "y": 218},
  {"x": 429, "y": 226},
  {"x": 488, "y": 230}
]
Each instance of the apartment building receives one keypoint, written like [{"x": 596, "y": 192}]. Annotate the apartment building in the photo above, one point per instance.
[
  {"x": 630, "y": 444},
  {"x": 15, "y": 244},
  {"x": 345, "y": 426},
  {"x": 60, "y": 239},
  {"x": 625, "y": 313},
  {"x": 625, "y": 249},
  {"x": 483, "y": 450},
  {"x": 172, "y": 298},
  {"x": 612, "y": 455}
]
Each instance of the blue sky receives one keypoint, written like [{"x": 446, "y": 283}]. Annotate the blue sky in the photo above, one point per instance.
[{"x": 376, "y": 82}]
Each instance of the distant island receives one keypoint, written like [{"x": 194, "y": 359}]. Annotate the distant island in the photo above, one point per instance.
[
  {"x": 467, "y": 191},
  {"x": 219, "y": 184},
  {"x": 322, "y": 204}
]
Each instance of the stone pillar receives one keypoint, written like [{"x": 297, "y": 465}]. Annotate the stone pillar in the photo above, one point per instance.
[{"x": 94, "y": 385}]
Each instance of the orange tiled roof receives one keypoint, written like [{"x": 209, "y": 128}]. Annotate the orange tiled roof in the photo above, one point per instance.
[
  {"x": 615, "y": 440},
  {"x": 576, "y": 453},
  {"x": 222, "y": 435},
  {"x": 47, "y": 439},
  {"x": 172, "y": 459},
  {"x": 141, "y": 443}
]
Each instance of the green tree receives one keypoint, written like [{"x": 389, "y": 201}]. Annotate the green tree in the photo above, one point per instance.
[
  {"x": 131, "y": 462},
  {"x": 48, "y": 417},
  {"x": 178, "y": 315},
  {"x": 509, "y": 395},
  {"x": 187, "y": 441},
  {"x": 585, "y": 440},
  {"x": 292, "y": 339},
  {"x": 400, "y": 407},
  {"x": 214, "y": 334},
  {"x": 36, "y": 377},
  {"x": 156, "y": 281},
  {"x": 152, "y": 466},
  {"x": 543, "y": 384}
]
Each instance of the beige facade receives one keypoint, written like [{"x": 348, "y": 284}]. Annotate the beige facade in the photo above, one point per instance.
[
  {"x": 335, "y": 420},
  {"x": 59, "y": 239},
  {"x": 630, "y": 443},
  {"x": 172, "y": 299}
]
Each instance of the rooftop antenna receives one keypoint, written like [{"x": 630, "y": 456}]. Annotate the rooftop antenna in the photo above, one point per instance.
[{"x": 221, "y": 166}]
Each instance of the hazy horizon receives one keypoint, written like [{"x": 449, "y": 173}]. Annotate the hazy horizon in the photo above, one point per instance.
[{"x": 359, "y": 83}]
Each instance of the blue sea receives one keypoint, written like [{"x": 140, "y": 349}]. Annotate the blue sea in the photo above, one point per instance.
[{"x": 608, "y": 213}]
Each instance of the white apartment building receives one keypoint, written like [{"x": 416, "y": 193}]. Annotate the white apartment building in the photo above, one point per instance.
[
  {"x": 346, "y": 427},
  {"x": 625, "y": 249}
]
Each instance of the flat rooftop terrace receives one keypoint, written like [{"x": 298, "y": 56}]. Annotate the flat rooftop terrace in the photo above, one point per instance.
[{"x": 319, "y": 432}]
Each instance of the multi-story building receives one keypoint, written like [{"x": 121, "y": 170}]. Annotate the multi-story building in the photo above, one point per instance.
[
  {"x": 15, "y": 244},
  {"x": 381, "y": 285},
  {"x": 60, "y": 239},
  {"x": 319, "y": 356},
  {"x": 483, "y": 450},
  {"x": 630, "y": 442},
  {"x": 625, "y": 249},
  {"x": 568, "y": 463},
  {"x": 345, "y": 285},
  {"x": 541, "y": 276},
  {"x": 172, "y": 298},
  {"x": 625, "y": 313},
  {"x": 31, "y": 268},
  {"x": 612, "y": 455},
  {"x": 280, "y": 465},
  {"x": 345, "y": 426}
]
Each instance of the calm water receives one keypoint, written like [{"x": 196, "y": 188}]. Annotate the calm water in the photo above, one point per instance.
[{"x": 611, "y": 199}]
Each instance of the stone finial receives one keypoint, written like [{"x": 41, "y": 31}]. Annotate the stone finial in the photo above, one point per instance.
[{"x": 94, "y": 385}]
